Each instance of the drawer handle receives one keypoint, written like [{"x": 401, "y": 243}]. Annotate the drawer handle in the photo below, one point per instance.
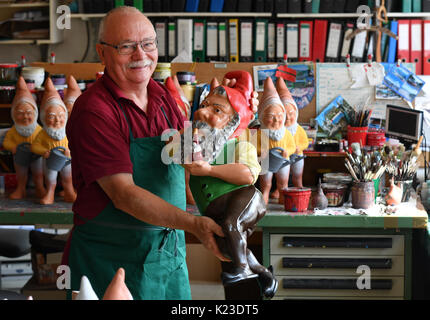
[
  {"x": 327, "y": 242},
  {"x": 350, "y": 284},
  {"x": 344, "y": 263}
]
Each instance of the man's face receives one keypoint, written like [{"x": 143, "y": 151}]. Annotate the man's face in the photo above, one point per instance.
[
  {"x": 216, "y": 111},
  {"x": 24, "y": 114},
  {"x": 134, "y": 68},
  {"x": 55, "y": 117},
  {"x": 290, "y": 115},
  {"x": 273, "y": 117}
]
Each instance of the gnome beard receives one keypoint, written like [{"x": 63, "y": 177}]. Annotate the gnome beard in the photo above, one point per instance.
[
  {"x": 27, "y": 130},
  {"x": 56, "y": 134},
  {"x": 213, "y": 139},
  {"x": 292, "y": 128},
  {"x": 275, "y": 135}
]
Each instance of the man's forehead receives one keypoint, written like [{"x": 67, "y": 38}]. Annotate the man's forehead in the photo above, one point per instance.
[{"x": 134, "y": 27}]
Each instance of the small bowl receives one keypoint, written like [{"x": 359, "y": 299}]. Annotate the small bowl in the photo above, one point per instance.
[{"x": 335, "y": 193}]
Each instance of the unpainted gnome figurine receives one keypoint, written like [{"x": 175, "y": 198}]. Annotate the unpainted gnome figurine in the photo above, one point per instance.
[
  {"x": 24, "y": 114},
  {"x": 71, "y": 93},
  {"x": 300, "y": 137},
  {"x": 272, "y": 114},
  {"x": 53, "y": 115},
  {"x": 394, "y": 195},
  {"x": 319, "y": 201},
  {"x": 223, "y": 183}
]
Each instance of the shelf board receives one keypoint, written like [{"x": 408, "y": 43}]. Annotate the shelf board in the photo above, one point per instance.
[
  {"x": 7, "y": 105},
  {"x": 180, "y": 14},
  {"x": 24, "y": 5},
  {"x": 352, "y": 15},
  {"x": 18, "y": 41}
]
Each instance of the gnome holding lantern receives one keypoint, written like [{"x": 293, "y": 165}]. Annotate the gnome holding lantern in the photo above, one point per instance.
[
  {"x": 300, "y": 137},
  {"x": 71, "y": 93},
  {"x": 222, "y": 182},
  {"x": 53, "y": 115},
  {"x": 24, "y": 114},
  {"x": 272, "y": 115}
]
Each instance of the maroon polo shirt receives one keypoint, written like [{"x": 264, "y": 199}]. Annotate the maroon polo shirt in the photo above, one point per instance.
[{"x": 99, "y": 138}]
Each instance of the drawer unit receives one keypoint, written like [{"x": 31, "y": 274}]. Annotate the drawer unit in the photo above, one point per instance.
[
  {"x": 332, "y": 287},
  {"x": 288, "y": 265},
  {"x": 322, "y": 266}
]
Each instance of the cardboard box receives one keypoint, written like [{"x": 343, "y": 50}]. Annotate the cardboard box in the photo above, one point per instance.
[{"x": 202, "y": 265}]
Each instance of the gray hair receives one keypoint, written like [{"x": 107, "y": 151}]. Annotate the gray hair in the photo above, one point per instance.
[{"x": 121, "y": 9}]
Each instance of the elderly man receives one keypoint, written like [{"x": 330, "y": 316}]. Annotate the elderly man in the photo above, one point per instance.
[
  {"x": 222, "y": 182},
  {"x": 25, "y": 129},
  {"x": 53, "y": 116},
  {"x": 129, "y": 210}
]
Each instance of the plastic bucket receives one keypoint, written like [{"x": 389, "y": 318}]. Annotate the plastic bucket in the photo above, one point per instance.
[
  {"x": 296, "y": 199},
  {"x": 57, "y": 160},
  {"x": 23, "y": 155},
  {"x": 357, "y": 134}
]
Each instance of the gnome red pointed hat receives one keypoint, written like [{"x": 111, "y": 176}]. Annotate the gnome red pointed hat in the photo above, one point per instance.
[
  {"x": 73, "y": 91},
  {"x": 270, "y": 97},
  {"x": 172, "y": 84},
  {"x": 285, "y": 94},
  {"x": 23, "y": 95},
  {"x": 117, "y": 289},
  {"x": 239, "y": 97}
]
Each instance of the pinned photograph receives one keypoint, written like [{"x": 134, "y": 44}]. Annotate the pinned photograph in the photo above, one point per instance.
[{"x": 404, "y": 82}]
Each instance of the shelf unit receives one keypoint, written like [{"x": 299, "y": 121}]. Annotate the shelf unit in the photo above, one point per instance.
[{"x": 55, "y": 35}]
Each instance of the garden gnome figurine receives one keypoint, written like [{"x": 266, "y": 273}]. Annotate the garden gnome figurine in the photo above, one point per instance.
[
  {"x": 394, "y": 195},
  {"x": 319, "y": 201},
  {"x": 53, "y": 115},
  {"x": 271, "y": 112},
  {"x": 172, "y": 84},
  {"x": 72, "y": 93},
  {"x": 223, "y": 183},
  {"x": 178, "y": 94},
  {"x": 299, "y": 134},
  {"x": 24, "y": 114}
]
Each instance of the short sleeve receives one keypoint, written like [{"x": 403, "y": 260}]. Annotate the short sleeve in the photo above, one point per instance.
[{"x": 246, "y": 154}]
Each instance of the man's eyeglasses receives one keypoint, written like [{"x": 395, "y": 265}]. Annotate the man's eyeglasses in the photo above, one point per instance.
[{"x": 131, "y": 47}]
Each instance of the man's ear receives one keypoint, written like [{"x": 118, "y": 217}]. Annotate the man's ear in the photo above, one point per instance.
[{"x": 100, "y": 52}]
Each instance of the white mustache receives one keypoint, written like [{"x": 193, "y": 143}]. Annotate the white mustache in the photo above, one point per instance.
[{"x": 140, "y": 64}]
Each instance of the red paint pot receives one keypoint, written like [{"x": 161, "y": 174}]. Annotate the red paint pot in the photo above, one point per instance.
[{"x": 296, "y": 199}]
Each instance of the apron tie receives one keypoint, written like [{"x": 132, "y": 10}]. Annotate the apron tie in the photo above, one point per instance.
[{"x": 167, "y": 232}]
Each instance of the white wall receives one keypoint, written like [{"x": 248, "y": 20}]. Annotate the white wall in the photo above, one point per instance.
[{"x": 72, "y": 48}]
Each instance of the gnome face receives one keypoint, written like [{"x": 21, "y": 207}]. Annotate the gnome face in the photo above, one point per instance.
[
  {"x": 24, "y": 114},
  {"x": 217, "y": 121},
  {"x": 291, "y": 115},
  {"x": 273, "y": 117},
  {"x": 55, "y": 117}
]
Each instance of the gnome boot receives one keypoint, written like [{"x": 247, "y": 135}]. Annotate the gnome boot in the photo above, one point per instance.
[
  {"x": 48, "y": 198},
  {"x": 20, "y": 191},
  {"x": 38, "y": 182}
]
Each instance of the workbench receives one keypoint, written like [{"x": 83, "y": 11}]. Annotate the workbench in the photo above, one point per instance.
[{"x": 309, "y": 249}]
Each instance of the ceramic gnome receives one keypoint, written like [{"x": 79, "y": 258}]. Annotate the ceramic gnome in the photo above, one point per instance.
[
  {"x": 394, "y": 195},
  {"x": 53, "y": 115},
  {"x": 319, "y": 201},
  {"x": 24, "y": 114},
  {"x": 299, "y": 134},
  {"x": 172, "y": 84},
  {"x": 117, "y": 289},
  {"x": 271, "y": 112},
  {"x": 71, "y": 93},
  {"x": 223, "y": 182}
]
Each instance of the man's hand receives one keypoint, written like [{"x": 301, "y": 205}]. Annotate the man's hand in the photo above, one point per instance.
[
  {"x": 198, "y": 168},
  {"x": 204, "y": 229}
]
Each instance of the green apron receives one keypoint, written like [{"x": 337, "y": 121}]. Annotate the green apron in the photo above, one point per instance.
[{"x": 153, "y": 257}]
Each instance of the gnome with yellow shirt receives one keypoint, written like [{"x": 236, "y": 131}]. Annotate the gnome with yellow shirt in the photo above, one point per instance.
[
  {"x": 53, "y": 115},
  {"x": 24, "y": 114},
  {"x": 272, "y": 115},
  {"x": 300, "y": 137}
]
